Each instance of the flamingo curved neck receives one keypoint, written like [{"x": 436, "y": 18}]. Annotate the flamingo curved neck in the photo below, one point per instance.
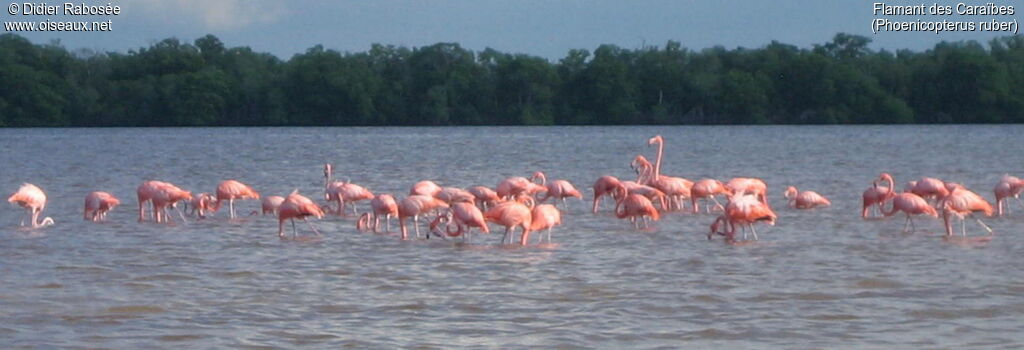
[{"x": 657, "y": 163}]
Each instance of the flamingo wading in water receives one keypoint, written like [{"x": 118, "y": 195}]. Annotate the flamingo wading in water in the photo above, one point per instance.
[
  {"x": 232, "y": 189},
  {"x": 32, "y": 198},
  {"x": 97, "y": 204}
]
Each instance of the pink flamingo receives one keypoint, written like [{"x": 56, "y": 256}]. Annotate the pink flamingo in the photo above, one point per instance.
[
  {"x": 653, "y": 194},
  {"x": 161, "y": 195},
  {"x": 97, "y": 204},
  {"x": 805, "y": 199},
  {"x": 559, "y": 189},
  {"x": 145, "y": 193},
  {"x": 168, "y": 195},
  {"x": 33, "y": 199},
  {"x": 484, "y": 196},
  {"x": 202, "y": 203},
  {"x": 426, "y": 188},
  {"x": 750, "y": 185},
  {"x": 930, "y": 189},
  {"x": 414, "y": 206},
  {"x": 747, "y": 209},
  {"x": 511, "y": 214},
  {"x": 297, "y": 206},
  {"x": 346, "y": 192},
  {"x": 465, "y": 216},
  {"x": 634, "y": 206},
  {"x": 1008, "y": 186},
  {"x": 605, "y": 185},
  {"x": 707, "y": 189},
  {"x": 875, "y": 196},
  {"x": 962, "y": 202},
  {"x": 232, "y": 189},
  {"x": 543, "y": 217},
  {"x": 382, "y": 205},
  {"x": 270, "y": 204},
  {"x": 676, "y": 188},
  {"x": 452, "y": 194},
  {"x": 910, "y": 204},
  {"x": 517, "y": 185}
]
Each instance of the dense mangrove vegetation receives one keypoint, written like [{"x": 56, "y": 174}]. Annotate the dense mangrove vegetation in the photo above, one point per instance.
[{"x": 205, "y": 83}]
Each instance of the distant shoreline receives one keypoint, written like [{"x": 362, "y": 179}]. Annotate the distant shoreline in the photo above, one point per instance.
[{"x": 205, "y": 83}]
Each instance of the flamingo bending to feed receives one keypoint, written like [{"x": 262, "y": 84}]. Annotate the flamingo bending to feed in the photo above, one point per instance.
[
  {"x": 910, "y": 204},
  {"x": 930, "y": 189},
  {"x": 484, "y": 196},
  {"x": 453, "y": 194},
  {"x": 202, "y": 203},
  {"x": 270, "y": 204},
  {"x": 426, "y": 188},
  {"x": 1008, "y": 187},
  {"x": 961, "y": 203},
  {"x": 707, "y": 189},
  {"x": 232, "y": 189},
  {"x": 805, "y": 199},
  {"x": 750, "y": 185},
  {"x": 297, "y": 206},
  {"x": 518, "y": 185},
  {"x": 543, "y": 217},
  {"x": 161, "y": 195},
  {"x": 511, "y": 214},
  {"x": 32, "y": 198},
  {"x": 465, "y": 216},
  {"x": 382, "y": 205},
  {"x": 560, "y": 189},
  {"x": 875, "y": 196},
  {"x": 747, "y": 209},
  {"x": 605, "y": 185},
  {"x": 97, "y": 204},
  {"x": 634, "y": 206},
  {"x": 414, "y": 206},
  {"x": 346, "y": 192}
]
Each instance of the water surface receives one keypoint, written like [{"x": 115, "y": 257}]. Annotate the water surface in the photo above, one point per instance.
[{"x": 819, "y": 279}]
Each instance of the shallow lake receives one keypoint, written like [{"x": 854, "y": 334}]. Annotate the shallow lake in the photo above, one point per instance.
[{"x": 821, "y": 278}]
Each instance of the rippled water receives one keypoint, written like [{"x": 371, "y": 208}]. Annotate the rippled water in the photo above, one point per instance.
[{"x": 822, "y": 278}]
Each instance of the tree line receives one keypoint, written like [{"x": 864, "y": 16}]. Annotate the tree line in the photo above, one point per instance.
[{"x": 205, "y": 83}]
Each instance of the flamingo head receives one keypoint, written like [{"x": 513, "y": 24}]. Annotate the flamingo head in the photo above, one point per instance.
[
  {"x": 790, "y": 192},
  {"x": 655, "y": 139},
  {"x": 639, "y": 163}
]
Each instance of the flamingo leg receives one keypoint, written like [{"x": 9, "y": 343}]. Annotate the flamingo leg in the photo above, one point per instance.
[
  {"x": 963, "y": 228},
  {"x": 231, "y": 206},
  {"x": 294, "y": 231},
  {"x": 312, "y": 227},
  {"x": 906, "y": 223},
  {"x": 753, "y": 231},
  {"x": 912, "y": 227},
  {"x": 506, "y": 236},
  {"x": 182, "y": 215},
  {"x": 717, "y": 204},
  {"x": 549, "y": 235},
  {"x": 989, "y": 229},
  {"x": 416, "y": 224}
]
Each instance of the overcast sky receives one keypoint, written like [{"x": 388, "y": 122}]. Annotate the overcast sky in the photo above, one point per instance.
[{"x": 547, "y": 28}]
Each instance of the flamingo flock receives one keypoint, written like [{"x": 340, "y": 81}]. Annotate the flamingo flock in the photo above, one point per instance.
[{"x": 517, "y": 203}]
